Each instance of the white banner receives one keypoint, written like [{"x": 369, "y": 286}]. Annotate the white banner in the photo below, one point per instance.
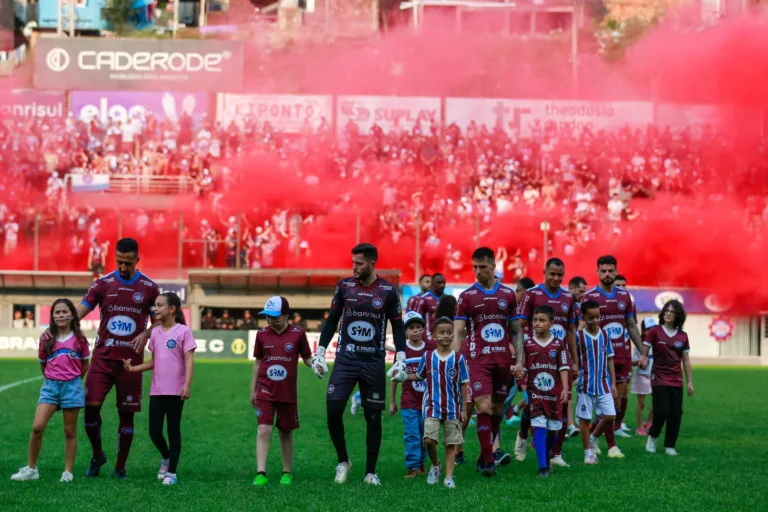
[
  {"x": 388, "y": 112},
  {"x": 89, "y": 182},
  {"x": 522, "y": 115},
  {"x": 283, "y": 111}
]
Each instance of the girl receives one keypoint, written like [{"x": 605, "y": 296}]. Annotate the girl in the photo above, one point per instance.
[
  {"x": 172, "y": 345},
  {"x": 641, "y": 383},
  {"x": 64, "y": 361},
  {"x": 670, "y": 347}
]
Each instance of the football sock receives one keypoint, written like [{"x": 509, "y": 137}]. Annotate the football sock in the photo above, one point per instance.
[
  {"x": 525, "y": 425},
  {"x": 124, "y": 438},
  {"x": 551, "y": 440},
  {"x": 484, "y": 436},
  {"x": 495, "y": 422},
  {"x": 540, "y": 443},
  {"x": 372, "y": 439},
  {"x": 560, "y": 439},
  {"x": 335, "y": 410},
  {"x": 621, "y": 413},
  {"x": 609, "y": 437},
  {"x": 93, "y": 428}
]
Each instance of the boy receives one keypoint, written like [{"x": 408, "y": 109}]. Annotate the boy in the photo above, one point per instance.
[
  {"x": 546, "y": 363},
  {"x": 597, "y": 381},
  {"x": 412, "y": 397},
  {"x": 446, "y": 376},
  {"x": 273, "y": 388},
  {"x": 641, "y": 383}
]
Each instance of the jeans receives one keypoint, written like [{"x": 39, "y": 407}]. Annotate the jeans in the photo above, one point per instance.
[{"x": 413, "y": 427}]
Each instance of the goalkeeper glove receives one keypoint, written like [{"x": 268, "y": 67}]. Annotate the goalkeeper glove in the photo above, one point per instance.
[
  {"x": 318, "y": 363},
  {"x": 398, "y": 372}
]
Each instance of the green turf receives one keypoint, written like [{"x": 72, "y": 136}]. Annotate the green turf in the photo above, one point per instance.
[{"x": 722, "y": 466}]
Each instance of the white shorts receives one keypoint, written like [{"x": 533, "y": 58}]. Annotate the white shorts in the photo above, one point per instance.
[
  {"x": 542, "y": 422},
  {"x": 602, "y": 405}
]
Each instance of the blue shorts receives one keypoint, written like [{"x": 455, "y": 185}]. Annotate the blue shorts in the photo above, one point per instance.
[{"x": 67, "y": 394}]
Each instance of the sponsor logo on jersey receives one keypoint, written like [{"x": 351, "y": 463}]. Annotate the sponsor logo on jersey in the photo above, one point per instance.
[
  {"x": 492, "y": 333},
  {"x": 377, "y": 303},
  {"x": 375, "y": 396},
  {"x": 288, "y": 347},
  {"x": 615, "y": 330},
  {"x": 138, "y": 298},
  {"x": 171, "y": 343},
  {"x": 361, "y": 331},
  {"x": 277, "y": 372},
  {"x": 419, "y": 386},
  {"x": 350, "y": 347},
  {"x": 544, "y": 382},
  {"x": 558, "y": 331},
  {"x": 503, "y": 304},
  {"x": 121, "y": 325}
]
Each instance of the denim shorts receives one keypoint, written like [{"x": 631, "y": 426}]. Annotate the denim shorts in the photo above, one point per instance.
[{"x": 67, "y": 394}]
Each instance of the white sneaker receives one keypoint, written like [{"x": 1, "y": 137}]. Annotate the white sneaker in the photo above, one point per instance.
[
  {"x": 520, "y": 448},
  {"x": 650, "y": 444},
  {"x": 557, "y": 460},
  {"x": 449, "y": 483},
  {"x": 342, "y": 470},
  {"x": 372, "y": 479},
  {"x": 169, "y": 479},
  {"x": 25, "y": 474},
  {"x": 623, "y": 427},
  {"x": 434, "y": 475},
  {"x": 594, "y": 445},
  {"x": 355, "y": 407},
  {"x": 572, "y": 431},
  {"x": 163, "y": 469},
  {"x": 621, "y": 433},
  {"x": 672, "y": 452},
  {"x": 590, "y": 458},
  {"x": 615, "y": 453},
  {"x": 66, "y": 477}
]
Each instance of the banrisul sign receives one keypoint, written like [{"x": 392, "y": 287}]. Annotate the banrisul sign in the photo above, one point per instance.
[{"x": 139, "y": 64}]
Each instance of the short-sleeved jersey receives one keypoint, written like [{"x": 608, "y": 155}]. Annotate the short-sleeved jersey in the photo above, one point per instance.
[
  {"x": 561, "y": 302},
  {"x": 543, "y": 363},
  {"x": 279, "y": 355},
  {"x": 65, "y": 362},
  {"x": 413, "y": 302},
  {"x": 364, "y": 313},
  {"x": 487, "y": 313},
  {"x": 169, "y": 350},
  {"x": 413, "y": 390},
  {"x": 615, "y": 308},
  {"x": 427, "y": 307},
  {"x": 667, "y": 355},
  {"x": 594, "y": 352},
  {"x": 124, "y": 307},
  {"x": 443, "y": 378}
]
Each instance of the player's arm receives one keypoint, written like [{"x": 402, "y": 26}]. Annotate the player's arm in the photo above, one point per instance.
[
  {"x": 637, "y": 340},
  {"x": 255, "y": 380},
  {"x": 459, "y": 328},
  {"x": 141, "y": 339},
  {"x": 143, "y": 367},
  {"x": 612, "y": 372},
  {"x": 564, "y": 382},
  {"x": 687, "y": 367},
  {"x": 516, "y": 333},
  {"x": 189, "y": 365},
  {"x": 82, "y": 310},
  {"x": 570, "y": 335},
  {"x": 393, "y": 397},
  {"x": 463, "y": 402},
  {"x": 85, "y": 365}
]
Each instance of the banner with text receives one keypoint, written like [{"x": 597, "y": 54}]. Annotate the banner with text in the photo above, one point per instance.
[
  {"x": 24, "y": 104},
  {"x": 284, "y": 112},
  {"x": 746, "y": 120},
  {"x": 387, "y": 112},
  {"x": 124, "y": 105},
  {"x": 139, "y": 64},
  {"x": 522, "y": 115}
]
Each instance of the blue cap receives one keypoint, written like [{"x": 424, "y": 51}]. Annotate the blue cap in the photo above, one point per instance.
[{"x": 275, "y": 306}]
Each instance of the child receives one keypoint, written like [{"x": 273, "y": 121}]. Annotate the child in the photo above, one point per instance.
[
  {"x": 412, "y": 397},
  {"x": 596, "y": 385},
  {"x": 546, "y": 363},
  {"x": 641, "y": 384},
  {"x": 446, "y": 376},
  {"x": 273, "y": 387},
  {"x": 64, "y": 362},
  {"x": 173, "y": 346}
]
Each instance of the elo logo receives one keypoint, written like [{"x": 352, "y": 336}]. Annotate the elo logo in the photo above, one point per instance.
[
  {"x": 57, "y": 60},
  {"x": 615, "y": 330},
  {"x": 361, "y": 331},
  {"x": 492, "y": 333},
  {"x": 558, "y": 331},
  {"x": 277, "y": 372},
  {"x": 122, "y": 326},
  {"x": 124, "y": 106}
]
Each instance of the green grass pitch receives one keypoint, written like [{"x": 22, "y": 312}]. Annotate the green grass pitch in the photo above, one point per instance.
[{"x": 723, "y": 463}]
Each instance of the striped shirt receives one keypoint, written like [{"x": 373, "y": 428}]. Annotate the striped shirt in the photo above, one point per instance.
[
  {"x": 594, "y": 351},
  {"x": 65, "y": 362},
  {"x": 444, "y": 377}
]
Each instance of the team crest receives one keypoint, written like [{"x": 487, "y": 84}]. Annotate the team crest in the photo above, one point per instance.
[
  {"x": 678, "y": 345},
  {"x": 502, "y": 304},
  {"x": 564, "y": 307},
  {"x": 73, "y": 354},
  {"x": 258, "y": 413},
  {"x": 622, "y": 306},
  {"x": 451, "y": 373},
  {"x": 477, "y": 386},
  {"x": 377, "y": 303},
  {"x": 288, "y": 347},
  {"x": 375, "y": 396},
  {"x": 171, "y": 343},
  {"x": 138, "y": 298},
  {"x": 553, "y": 354},
  {"x": 331, "y": 388}
]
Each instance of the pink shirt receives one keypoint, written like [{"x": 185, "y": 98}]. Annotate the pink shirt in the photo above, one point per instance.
[
  {"x": 66, "y": 359},
  {"x": 168, "y": 349}
]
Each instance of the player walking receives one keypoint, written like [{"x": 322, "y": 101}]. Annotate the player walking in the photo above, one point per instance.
[
  {"x": 425, "y": 282},
  {"x": 363, "y": 303},
  {"x": 486, "y": 311},
  {"x": 427, "y": 305}
]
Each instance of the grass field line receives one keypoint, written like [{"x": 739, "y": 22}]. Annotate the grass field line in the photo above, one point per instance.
[{"x": 6, "y": 387}]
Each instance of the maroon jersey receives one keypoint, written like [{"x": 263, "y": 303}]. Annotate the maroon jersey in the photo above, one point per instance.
[
  {"x": 667, "y": 355},
  {"x": 487, "y": 313},
  {"x": 124, "y": 307},
  {"x": 543, "y": 363},
  {"x": 279, "y": 355},
  {"x": 413, "y": 390},
  {"x": 427, "y": 307},
  {"x": 615, "y": 308},
  {"x": 561, "y": 302},
  {"x": 413, "y": 303}
]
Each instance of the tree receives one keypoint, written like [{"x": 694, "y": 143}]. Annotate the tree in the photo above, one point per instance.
[{"x": 120, "y": 15}]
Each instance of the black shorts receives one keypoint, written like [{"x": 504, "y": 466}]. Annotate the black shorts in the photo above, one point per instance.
[
  {"x": 371, "y": 377},
  {"x": 667, "y": 400}
]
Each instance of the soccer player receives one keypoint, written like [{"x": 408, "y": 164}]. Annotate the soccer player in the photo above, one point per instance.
[
  {"x": 125, "y": 299},
  {"x": 364, "y": 303},
  {"x": 578, "y": 287},
  {"x": 446, "y": 377},
  {"x": 617, "y": 316},
  {"x": 670, "y": 348},
  {"x": 596, "y": 385},
  {"x": 512, "y": 413},
  {"x": 486, "y": 311},
  {"x": 619, "y": 427},
  {"x": 277, "y": 351},
  {"x": 428, "y": 304},
  {"x": 563, "y": 327},
  {"x": 425, "y": 282},
  {"x": 546, "y": 365},
  {"x": 412, "y": 396},
  {"x": 522, "y": 285}
]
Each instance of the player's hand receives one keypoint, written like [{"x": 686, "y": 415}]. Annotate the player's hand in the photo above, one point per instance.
[
  {"x": 398, "y": 372},
  {"x": 642, "y": 362},
  {"x": 564, "y": 396},
  {"x": 517, "y": 370},
  {"x": 318, "y": 363},
  {"x": 575, "y": 368},
  {"x": 392, "y": 408},
  {"x": 690, "y": 389},
  {"x": 127, "y": 365},
  {"x": 614, "y": 392},
  {"x": 185, "y": 392},
  {"x": 140, "y": 341},
  {"x": 47, "y": 335},
  {"x": 463, "y": 415},
  {"x": 253, "y": 398}
]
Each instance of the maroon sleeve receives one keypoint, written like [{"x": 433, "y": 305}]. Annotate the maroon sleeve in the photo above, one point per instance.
[
  {"x": 94, "y": 295},
  {"x": 525, "y": 308},
  {"x": 258, "y": 350},
  {"x": 651, "y": 337},
  {"x": 565, "y": 357},
  {"x": 572, "y": 315},
  {"x": 40, "y": 351},
  {"x": 304, "y": 349}
]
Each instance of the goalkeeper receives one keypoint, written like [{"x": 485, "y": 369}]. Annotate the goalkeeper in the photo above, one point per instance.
[{"x": 362, "y": 304}]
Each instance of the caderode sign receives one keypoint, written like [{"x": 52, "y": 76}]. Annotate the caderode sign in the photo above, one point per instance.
[{"x": 141, "y": 64}]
